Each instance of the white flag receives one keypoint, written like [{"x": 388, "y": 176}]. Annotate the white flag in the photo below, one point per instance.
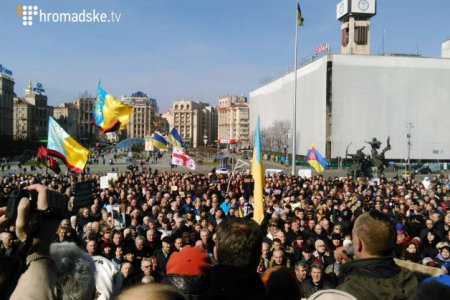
[{"x": 180, "y": 158}]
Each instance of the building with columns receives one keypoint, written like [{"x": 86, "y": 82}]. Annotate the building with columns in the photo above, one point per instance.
[
  {"x": 233, "y": 120},
  {"x": 194, "y": 122},
  {"x": 30, "y": 114},
  {"x": 140, "y": 122},
  {"x": 38, "y": 99}
]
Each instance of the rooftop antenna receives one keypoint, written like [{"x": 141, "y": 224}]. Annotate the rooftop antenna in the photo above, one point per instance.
[
  {"x": 417, "y": 47},
  {"x": 382, "y": 42}
]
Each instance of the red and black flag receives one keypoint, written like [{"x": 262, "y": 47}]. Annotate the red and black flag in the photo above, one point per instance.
[{"x": 47, "y": 161}]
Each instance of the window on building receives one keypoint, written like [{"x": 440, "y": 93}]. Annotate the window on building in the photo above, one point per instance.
[
  {"x": 344, "y": 36},
  {"x": 361, "y": 33}
]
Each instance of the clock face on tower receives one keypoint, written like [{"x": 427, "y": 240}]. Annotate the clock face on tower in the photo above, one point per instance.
[
  {"x": 363, "y": 5},
  {"x": 341, "y": 8}
]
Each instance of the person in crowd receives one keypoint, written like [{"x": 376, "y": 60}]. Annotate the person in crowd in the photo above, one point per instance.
[
  {"x": 443, "y": 257},
  {"x": 108, "y": 279},
  {"x": 127, "y": 270},
  {"x": 75, "y": 271},
  {"x": 7, "y": 247},
  {"x": 374, "y": 274},
  {"x": 301, "y": 213},
  {"x": 145, "y": 270},
  {"x": 411, "y": 253},
  {"x": 150, "y": 292},
  {"x": 321, "y": 255},
  {"x": 280, "y": 283},
  {"x": 163, "y": 254},
  {"x": 317, "y": 281},
  {"x": 186, "y": 270},
  {"x": 301, "y": 276},
  {"x": 237, "y": 253},
  {"x": 428, "y": 244},
  {"x": 279, "y": 259}
]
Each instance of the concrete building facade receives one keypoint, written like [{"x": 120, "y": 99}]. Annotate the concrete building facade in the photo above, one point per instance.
[
  {"x": 66, "y": 114},
  {"x": 345, "y": 99},
  {"x": 144, "y": 108},
  {"x": 88, "y": 133},
  {"x": 6, "y": 103},
  {"x": 140, "y": 123},
  {"x": 23, "y": 119},
  {"x": 161, "y": 124},
  {"x": 41, "y": 111},
  {"x": 233, "y": 120},
  {"x": 193, "y": 121}
]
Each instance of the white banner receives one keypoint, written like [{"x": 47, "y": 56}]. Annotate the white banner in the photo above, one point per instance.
[
  {"x": 104, "y": 184},
  {"x": 180, "y": 158},
  {"x": 112, "y": 176},
  {"x": 304, "y": 173}
]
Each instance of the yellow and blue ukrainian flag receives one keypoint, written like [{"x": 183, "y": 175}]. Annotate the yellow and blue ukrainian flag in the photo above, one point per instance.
[
  {"x": 175, "y": 139},
  {"x": 258, "y": 178},
  {"x": 110, "y": 114},
  {"x": 316, "y": 160},
  {"x": 60, "y": 144},
  {"x": 299, "y": 15},
  {"x": 160, "y": 142}
]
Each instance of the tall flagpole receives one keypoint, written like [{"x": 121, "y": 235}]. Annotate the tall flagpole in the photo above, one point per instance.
[{"x": 294, "y": 117}]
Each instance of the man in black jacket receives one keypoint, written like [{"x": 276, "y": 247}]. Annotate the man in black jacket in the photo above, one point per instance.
[{"x": 237, "y": 250}]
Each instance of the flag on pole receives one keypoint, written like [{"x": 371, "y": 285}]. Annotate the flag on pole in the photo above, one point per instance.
[
  {"x": 180, "y": 158},
  {"x": 299, "y": 15},
  {"x": 110, "y": 114},
  {"x": 160, "y": 142},
  {"x": 60, "y": 144},
  {"x": 316, "y": 160},
  {"x": 175, "y": 139},
  {"x": 258, "y": 178}
]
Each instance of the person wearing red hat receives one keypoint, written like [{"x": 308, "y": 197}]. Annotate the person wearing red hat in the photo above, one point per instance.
[{"x": 186, "y": 270}]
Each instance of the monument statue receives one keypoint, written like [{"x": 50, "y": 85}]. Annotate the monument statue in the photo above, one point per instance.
[
  {"x": 359, "y": 167},
  {"x": 362, "y": 164},
  {"x": 378, "y": 159}
]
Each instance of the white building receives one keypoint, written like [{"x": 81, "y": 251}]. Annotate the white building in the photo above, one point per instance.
[
  {"x": 343, "y": 99},
  {"x": 351, "y": 97}
]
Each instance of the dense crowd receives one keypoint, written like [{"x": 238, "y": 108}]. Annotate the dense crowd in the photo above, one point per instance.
[{"x": 144, "y": 218}]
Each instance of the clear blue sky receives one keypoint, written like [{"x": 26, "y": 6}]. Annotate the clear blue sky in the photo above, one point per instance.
[{"x": 193, "y": 49}]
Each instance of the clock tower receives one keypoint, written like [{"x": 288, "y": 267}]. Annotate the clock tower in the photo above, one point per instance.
[{"x": 355, "y": 28}]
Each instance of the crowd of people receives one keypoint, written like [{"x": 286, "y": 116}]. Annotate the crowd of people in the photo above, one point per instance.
[{"x": 193, "y": 232}]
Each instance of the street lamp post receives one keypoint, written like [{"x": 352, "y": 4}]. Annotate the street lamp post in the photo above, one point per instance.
[
  {"x": 205, "y": 139},
  {"x": 408, "y": 136}
]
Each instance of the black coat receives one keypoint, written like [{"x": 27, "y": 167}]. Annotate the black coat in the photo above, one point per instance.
[
  {"x": 232, "y": 283},
  {"x": 190, "y": 285}
]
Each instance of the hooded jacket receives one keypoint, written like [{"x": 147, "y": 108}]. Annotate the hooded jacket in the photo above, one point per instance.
[{"x": 377, "y": 278}]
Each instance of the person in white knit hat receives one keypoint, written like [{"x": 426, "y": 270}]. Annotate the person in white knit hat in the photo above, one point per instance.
[{"x": 108, "y": 279}]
